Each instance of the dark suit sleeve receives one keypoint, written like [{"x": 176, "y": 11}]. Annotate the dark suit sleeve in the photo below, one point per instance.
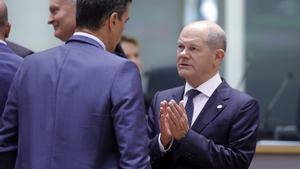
[
  {"x": 129, "y": 118},
  {"x": 204, "y": 152},
  {"x": 153, "y": 132},
  {"x": 9, "y": 128}
]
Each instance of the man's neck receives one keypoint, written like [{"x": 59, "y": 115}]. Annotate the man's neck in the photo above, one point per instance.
[
  {"x": 2, "y": 40},
  {"x": 100, "y": 34}
]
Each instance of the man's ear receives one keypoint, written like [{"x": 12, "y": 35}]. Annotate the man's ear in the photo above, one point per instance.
[
  {"x": 219, "y": 56},
  {"x": 7, "y": 29},
  {"x": 113, "y": 19}
]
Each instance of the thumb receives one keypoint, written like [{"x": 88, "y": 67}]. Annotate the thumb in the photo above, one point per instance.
[{"x": 181, "y": 104}]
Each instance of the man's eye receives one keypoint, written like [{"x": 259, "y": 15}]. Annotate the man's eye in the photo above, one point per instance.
[
  {"x": 53, "y": 10},
  {"x": 193, "y": 48},
  {"x": 180, "y": 47}
]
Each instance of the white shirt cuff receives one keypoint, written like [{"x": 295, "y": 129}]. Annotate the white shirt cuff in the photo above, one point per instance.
[{"x": 161, "y": 147}]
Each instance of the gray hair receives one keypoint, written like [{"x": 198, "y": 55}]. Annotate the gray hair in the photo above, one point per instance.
[{"x": 216, "y": 39}]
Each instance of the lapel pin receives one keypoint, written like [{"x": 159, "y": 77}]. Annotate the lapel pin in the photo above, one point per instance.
[{"x": 219, "y": 106}]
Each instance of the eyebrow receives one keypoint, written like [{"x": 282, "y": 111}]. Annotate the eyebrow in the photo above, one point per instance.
[{"x": 52, "y": 8}]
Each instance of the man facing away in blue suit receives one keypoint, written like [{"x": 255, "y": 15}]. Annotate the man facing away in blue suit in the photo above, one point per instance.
[
  {"x": 78, "y": 106},
  {"x": 205, "y": 124},
  {"x": 9, "y": 63}
]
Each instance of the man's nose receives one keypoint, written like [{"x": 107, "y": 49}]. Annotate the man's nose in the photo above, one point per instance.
[
  {"x": 50, "y": 19},
  {"x": 183, "y": 53}
]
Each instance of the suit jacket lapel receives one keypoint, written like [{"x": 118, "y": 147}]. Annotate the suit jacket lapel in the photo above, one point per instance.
[
  {"x": 214, "y": 106},
  {"x": 178, "y": 95}
]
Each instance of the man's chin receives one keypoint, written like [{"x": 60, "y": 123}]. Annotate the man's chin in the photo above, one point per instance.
[
  {"x": 62, "y": 38},
  {"x": 183, "y": 74}
]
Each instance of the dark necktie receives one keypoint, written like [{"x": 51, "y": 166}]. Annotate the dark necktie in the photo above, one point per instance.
[{"x": 189, "y": 107}]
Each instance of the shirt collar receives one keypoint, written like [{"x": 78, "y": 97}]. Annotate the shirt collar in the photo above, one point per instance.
[
  {"x": 2, "y": 41},
  {"x": 92, "y": 37},
  {"x": 208, "y": 87}
]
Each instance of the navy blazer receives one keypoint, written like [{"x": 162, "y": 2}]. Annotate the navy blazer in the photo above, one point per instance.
[
  {"x": 9, "y": 63},
  {"x": 220, "y": 138},
  {"x": 76, "y": 106}
]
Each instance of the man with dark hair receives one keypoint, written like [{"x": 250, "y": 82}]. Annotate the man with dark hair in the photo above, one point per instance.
[
  {"x": 205, "y": 124},
  {"x": 9, "y": 63},
  {"x": 63, "y": 19},
  {"x": 78, "y": 106}
]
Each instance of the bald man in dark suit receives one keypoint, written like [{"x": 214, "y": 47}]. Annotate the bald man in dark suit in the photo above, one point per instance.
[{"x": 204, "y": 124}]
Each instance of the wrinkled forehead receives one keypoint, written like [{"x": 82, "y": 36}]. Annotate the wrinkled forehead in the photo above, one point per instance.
[{"x": 192, "y": 35}]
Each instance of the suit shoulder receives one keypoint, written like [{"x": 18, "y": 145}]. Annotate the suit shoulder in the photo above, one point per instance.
[
  {"x": 15, "y": 58},
  {"x": 170, "y": 91},
  {"x": 45, "y": 54},
  {"x": 241, "y": 97},
  {"x": 117, "y": 62},
  {"x": 115, "y": 58},
  {"x": 10, "y": 59}
]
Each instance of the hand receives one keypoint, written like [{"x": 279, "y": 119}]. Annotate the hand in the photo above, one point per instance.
[
  {"x": 177, "y": 119},
  {"x": 165, "y": 136}
]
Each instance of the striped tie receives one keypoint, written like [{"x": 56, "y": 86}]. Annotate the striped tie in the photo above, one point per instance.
[{"x": 189, "y": 107}]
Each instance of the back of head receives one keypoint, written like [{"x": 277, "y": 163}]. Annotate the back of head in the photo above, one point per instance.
[
  {"x": 3, "y": 14},
  {"x": 4, "y": 24},
  {"x": 91, "y": 14}
]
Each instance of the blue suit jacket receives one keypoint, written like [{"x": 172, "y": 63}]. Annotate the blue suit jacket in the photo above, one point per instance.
[
  {"x": 76, "y": 106},
  {"x": 220, "y": 138},
  {"x": 9, "y": 63}
]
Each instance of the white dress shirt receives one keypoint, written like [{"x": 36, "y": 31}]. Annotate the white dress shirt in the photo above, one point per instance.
[
  {"x": 2, "y": 41},
  {"x": 92, "y": 37},
  {"x": 207, "y": 89}
]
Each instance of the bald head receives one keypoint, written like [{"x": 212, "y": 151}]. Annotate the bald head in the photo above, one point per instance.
[
  {"x": 3, "y": 13},
  {"x": 4, "y": 24},
  {"x": 200, "y": 51},
  {"x": 215, "y": 36}
]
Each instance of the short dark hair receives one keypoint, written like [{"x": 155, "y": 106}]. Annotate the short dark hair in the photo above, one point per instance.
[{"x": 92, "y": 14}]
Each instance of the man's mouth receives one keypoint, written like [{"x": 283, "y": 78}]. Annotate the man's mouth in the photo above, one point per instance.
[{"x": 182, "y": 65}]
